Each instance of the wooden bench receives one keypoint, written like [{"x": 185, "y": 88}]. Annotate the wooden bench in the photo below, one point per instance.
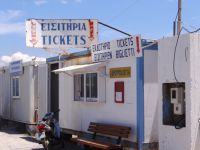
[{"x": 104, "y": 129}]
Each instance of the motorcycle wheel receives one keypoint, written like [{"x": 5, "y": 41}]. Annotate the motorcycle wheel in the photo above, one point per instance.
[
  {"x": 46, "y": 145},
  {"x": 31, "y": 129}
]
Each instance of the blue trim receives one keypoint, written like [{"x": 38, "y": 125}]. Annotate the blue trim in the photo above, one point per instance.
[
  {"x": 153, "y": 47},
  {"x": 56, "y": 58},
  {"x": 72, "y": 55},
  {"x": 140, "y": 101}
]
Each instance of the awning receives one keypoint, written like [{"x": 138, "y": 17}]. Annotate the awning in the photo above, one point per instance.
[{"x": 92, "y": 66}]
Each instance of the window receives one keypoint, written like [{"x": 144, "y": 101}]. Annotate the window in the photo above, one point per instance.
[
  {"x": 91, "y": 87},
  {"x": 79, "y": 87},
  {"x": 15, "y": 87},
  {"x": 86, "y": 86}
]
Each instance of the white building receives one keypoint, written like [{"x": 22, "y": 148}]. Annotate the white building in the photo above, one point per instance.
[
  {"x": 179, "y": 92},
  {"x": 19, "y": 95},
  {"x": 121, "y": 91}
]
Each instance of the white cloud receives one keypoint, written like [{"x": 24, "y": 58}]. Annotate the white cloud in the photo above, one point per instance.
[
  {"x": 40, "y": 2},
  {"x": 6, "y": 28},
  {"x": 5, "y": 60},
  {"x": 7, "y": 24},
  {"x": 64, "y": 1},
  {"x": 78, "y": 1},
  {"x": 8, "y": 15},
  {"x": 67, "y": 1}
]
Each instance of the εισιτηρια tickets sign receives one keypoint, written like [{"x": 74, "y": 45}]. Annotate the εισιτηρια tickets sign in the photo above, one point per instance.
[{"x": 68, "y": 33}]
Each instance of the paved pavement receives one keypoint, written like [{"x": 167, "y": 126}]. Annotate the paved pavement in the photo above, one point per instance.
[{"x": 12, "y": 140}]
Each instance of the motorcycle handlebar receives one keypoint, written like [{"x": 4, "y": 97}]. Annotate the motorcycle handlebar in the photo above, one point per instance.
[
  {"x": 56, "y": 111},
  {"x": 50, "y": 115}
]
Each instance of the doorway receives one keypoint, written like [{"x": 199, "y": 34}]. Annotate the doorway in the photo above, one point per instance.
[{"x": 54, "y": 90}]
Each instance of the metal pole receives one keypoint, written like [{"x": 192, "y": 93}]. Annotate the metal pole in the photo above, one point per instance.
[
  {"x": 174, "y": 28},
  {"x": 114, "y": 28},
  {"x": 179, "y": 16}
]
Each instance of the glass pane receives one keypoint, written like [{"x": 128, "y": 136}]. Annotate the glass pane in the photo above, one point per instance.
[
  {"x": 94, "y": 85},
  {"x": 13, "y": 86},
  {"x": 91, "y": 85},
  {"x": 88, "y": 85},
  {"x": 78, "y": 87},
  {"x": 76, "y": 94},
  {"x": 17, "y": 87},
  {"x": 82, "y": 85}
]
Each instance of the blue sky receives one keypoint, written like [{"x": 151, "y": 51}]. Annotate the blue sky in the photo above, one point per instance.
[{"x": 151, "y": 18}]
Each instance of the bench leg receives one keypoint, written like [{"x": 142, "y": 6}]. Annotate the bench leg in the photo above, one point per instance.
[{"x": 87, "y": 147}]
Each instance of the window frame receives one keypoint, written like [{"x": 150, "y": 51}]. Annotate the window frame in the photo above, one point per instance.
[
  {"x": 85, "y": 98},
  {"x": 92, "y": 99},
  {"x": 14, "y": 87},
  {"x": 81, "y": 98}
]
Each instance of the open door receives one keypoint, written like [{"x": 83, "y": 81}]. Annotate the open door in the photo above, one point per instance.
[
  {"x": 42, "y": 90},
  {"x": 54, "y": 89}
]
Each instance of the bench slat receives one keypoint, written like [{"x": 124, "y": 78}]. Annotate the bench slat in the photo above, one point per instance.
[
  {"x": 109, "y": 125},
  {"x": 96, "y": 144},
  {"x": 105, "y": 129},
  {"x": 113, "y": 130}
]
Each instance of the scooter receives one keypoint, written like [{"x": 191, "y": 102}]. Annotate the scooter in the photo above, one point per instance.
[{"x": 48, "y": 131}]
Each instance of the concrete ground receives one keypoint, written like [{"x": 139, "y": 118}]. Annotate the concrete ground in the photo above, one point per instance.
[{"x": 11, "y": 139}]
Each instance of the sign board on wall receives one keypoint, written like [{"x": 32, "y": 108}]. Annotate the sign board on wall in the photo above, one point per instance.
[
  {"x": 122, "y": 72},
  {"x": 69, "y": 33},
  {"x": 117, "y": 49},
  {"x": 119, "y": 92},
  {"x": 16, "y": 68}
]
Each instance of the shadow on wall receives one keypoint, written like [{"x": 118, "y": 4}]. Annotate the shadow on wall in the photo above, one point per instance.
[
  {"x": 155, "y": 125},
  {"x": 197, "y": 141}
]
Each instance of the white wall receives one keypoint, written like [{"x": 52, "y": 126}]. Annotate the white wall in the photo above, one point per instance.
[
  {"x": 187, "y": 70},
  {"x": 42, "y": 90},
  {"x": 111, "y": 112},
  {"x": 70, "y": 111},
  {"x": 22, "y": 109},
  {"x": 78, "y": 115},
  {"x": 151, "y": 96},
  {"x": 195, "y": 90},
  {"x": 5, "y": 94}
]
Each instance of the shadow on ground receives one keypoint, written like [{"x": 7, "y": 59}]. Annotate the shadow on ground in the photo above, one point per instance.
[{"x": 30, "y": 139}]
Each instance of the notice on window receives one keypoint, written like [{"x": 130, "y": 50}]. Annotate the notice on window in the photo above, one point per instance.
[{"x": 119, "y": 97}]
